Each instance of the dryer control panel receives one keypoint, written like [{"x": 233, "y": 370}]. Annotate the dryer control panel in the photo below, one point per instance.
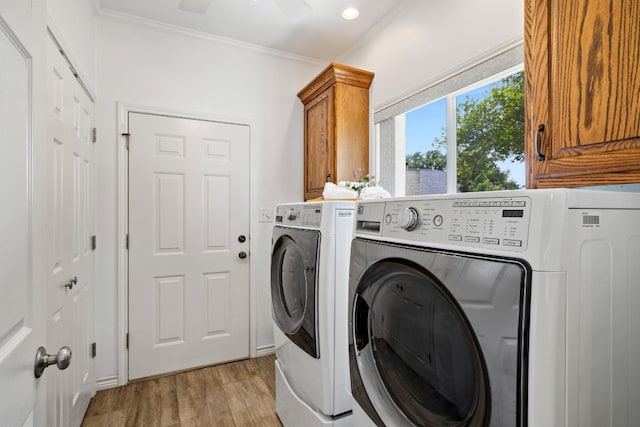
[
  {"x": 303, "y": 215},
  {"x": 491, "y": 222}
]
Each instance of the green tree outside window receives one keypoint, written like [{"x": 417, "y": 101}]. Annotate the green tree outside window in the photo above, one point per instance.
[{"x": 489, "y": 130}]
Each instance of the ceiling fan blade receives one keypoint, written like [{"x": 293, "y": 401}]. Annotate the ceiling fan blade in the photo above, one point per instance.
[
  {"x": 194, "y": 6},
  {"x": 294, "y": 9}
]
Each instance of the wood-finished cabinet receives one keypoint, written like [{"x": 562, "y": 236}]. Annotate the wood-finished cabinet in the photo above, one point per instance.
[
  {"x": 582, "y": 67},
  {"x": 336, "y": 126}
]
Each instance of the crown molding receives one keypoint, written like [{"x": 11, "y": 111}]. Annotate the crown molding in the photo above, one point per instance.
[{"x": 225, "y": 41}]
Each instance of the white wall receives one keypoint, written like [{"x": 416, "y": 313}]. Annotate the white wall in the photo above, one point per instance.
[
  {"x": 432, "y": 39},
  {"x": 149, "y": 66},
  {"x": 74, "y": 22}
]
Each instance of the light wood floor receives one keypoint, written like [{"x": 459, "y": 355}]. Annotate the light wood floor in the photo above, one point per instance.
[{"x": 234, "y": 394}]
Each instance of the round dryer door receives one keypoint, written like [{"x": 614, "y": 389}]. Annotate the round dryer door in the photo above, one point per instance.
[
  {"x": 293, "y": 285},
  {"x": 417, "y": 354}
]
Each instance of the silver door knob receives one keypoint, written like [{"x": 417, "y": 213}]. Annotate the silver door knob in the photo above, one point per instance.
[{"x": 62, "y": 359}]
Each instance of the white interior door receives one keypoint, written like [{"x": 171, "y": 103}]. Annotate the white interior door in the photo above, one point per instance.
[
  {"x": 22, "y": 212},
  {"x": 188, "y": 241},
  {"x": 70, "y": 291}
]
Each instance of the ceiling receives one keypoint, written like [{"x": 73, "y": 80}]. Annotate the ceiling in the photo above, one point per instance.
[{"x": 309, "y": 28}]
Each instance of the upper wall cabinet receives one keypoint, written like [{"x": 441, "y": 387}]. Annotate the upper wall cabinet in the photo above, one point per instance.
[
  {"x": 336, "y": 126},
  {"x": 582, "y": 65}
]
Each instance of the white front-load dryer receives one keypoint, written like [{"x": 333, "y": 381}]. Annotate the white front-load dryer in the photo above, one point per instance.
[
  {"x": 309, "y": 289},
  {"x": 515, "y": 308}
]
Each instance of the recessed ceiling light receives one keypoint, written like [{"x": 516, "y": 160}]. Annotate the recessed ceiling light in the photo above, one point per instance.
[{"x": 350, "y": 13}]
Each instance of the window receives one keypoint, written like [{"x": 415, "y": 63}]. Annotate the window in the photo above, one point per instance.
[{"x": 465, "y": 133}]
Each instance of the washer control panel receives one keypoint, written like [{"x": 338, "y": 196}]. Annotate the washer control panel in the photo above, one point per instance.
[
  {"x": 303, "y": 215},
  {"x": 491, "y": 222}
]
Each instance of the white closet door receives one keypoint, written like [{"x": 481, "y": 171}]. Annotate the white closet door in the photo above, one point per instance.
[{"x": 71, "y": 287}]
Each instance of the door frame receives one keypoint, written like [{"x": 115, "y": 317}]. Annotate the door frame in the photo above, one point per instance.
[{"x": 122, "y": 226}]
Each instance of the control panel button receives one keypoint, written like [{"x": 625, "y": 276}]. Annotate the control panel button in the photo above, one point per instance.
[
  {"x": 455, "y": 237},
  {"x": 490, "y": 241},
  {"x": 388, "y": 218},
  {"x": 438, "y": 220},
  {"x": 472, "y": 239},
  {"x": 512, "y": 242}
]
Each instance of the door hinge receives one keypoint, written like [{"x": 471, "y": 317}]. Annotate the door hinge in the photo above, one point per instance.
[
  {"x": 126, "y": 343},
  {"x": 126, "y": 242},
  {"x": 93, "y": 350},
  {"x": 94, "y": 135},
  {"x": 93, "y": 243},
  {"x": 126, "y": 135}
]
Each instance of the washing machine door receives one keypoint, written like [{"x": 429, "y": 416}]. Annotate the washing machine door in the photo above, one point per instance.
[
  {"x": 429, "y": 345},
  {"x": 294, "y": 258}
]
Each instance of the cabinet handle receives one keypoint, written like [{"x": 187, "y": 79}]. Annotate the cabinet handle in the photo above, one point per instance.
[
  {"x": 328, "y": 177},
  {"x": 541, "y": 156}
]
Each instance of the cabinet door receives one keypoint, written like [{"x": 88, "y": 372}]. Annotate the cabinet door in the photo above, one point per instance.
[
  {"x": 318, "y": 144},
  {"x": 582, "y": 59}
]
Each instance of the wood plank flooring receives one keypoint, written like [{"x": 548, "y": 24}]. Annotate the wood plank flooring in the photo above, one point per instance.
[{"x": 233, "y": 394}]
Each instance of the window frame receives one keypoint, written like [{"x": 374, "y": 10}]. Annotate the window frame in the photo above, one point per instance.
[{"x": 389, "y": 120}]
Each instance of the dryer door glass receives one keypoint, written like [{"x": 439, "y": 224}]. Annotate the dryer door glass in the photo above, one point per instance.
[
  {"x": 293, "y": 278},
  {"x": 422, "y": 348}
]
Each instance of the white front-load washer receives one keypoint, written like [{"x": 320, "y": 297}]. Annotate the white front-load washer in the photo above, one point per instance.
[
  {"x": 515, "y": 308},
  {"x": 309, "y": 289}
]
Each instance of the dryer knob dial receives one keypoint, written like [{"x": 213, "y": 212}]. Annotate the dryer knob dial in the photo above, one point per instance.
[
  {"x": 409, "y": 219},
  {"x": 291, "y": 215}
]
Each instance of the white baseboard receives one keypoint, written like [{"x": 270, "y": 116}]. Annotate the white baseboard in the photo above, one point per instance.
[
  {"x": 112, "y": 381},
  {"x": 107, "y": 382},
  {"x": 265, "y": 350}
]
